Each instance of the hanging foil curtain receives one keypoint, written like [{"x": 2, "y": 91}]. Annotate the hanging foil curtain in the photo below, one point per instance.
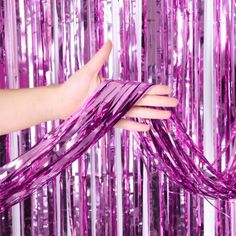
[{"x": 109, "y": 191}]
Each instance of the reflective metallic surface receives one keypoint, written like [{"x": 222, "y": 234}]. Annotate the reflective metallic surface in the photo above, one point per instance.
[{"x": 111, "y": 189}]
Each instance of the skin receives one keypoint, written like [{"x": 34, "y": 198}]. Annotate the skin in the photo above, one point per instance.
[{"x": 23, "y": 108}]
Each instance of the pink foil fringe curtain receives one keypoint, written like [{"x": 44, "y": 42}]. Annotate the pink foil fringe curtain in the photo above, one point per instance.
[
  {"x": 166, "y": 144},
  {"x": 113, "y": 188}
]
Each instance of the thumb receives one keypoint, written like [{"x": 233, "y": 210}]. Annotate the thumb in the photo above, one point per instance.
[{"x": 98, "y": 60}]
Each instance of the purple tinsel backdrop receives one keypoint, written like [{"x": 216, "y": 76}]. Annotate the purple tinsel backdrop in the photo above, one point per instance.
[{"x": 189, "y": 45}]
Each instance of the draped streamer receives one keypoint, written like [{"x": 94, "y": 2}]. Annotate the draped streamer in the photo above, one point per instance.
[{"x": 166, "y": 145}]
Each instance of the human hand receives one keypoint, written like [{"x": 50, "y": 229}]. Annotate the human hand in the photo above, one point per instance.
[{"x": 74, "y": 92}]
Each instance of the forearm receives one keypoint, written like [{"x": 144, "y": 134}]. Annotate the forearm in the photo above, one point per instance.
[{"x": 22, "y": 108}]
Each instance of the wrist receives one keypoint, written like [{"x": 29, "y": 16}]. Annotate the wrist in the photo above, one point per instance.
[{"x": 55, "y": 101}]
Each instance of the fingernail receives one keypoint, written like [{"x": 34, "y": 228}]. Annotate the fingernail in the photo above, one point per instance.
[
  {"x": 176, "y": 101},
  {"x": 168, "y": 114}
]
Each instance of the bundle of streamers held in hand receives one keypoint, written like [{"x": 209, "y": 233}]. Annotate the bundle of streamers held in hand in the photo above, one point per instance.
[{"x": 167, "y": 145}]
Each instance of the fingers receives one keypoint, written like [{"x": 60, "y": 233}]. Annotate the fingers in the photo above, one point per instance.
[
  {"x": 145, "y": 113},
  {"x": 148, "y": 113},
  {"x": 131, "y": 125},
  {"x": 98, "y": 60},
  {"x": 142, "y": 110},
  {"x": 157, "y": 101},
  {"x": 159, "y": 90}
]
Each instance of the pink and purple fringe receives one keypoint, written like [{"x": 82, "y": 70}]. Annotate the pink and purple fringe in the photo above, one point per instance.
[{"x": 150, "y": 183}]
